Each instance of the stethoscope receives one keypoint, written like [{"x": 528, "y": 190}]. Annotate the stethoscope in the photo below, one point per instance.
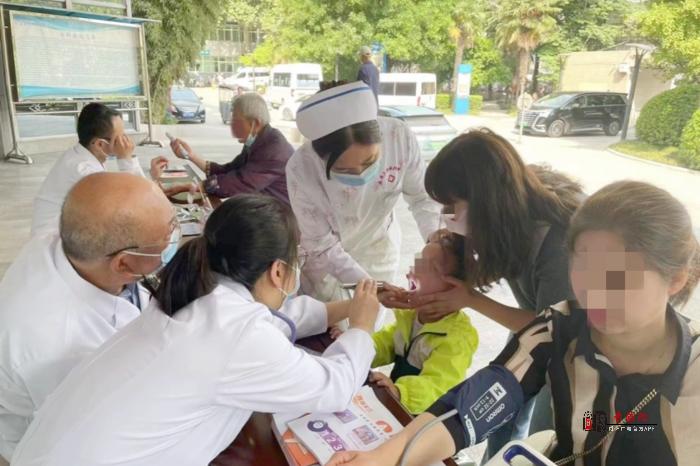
[{"x": 288, "y": 321}]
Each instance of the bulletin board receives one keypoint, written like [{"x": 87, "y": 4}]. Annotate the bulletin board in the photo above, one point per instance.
[{"x": 66, "y": 57}]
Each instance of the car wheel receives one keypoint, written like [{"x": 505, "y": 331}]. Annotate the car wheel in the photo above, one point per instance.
[
  {"x": 287, "y": 115},
  {"x": 556, "y": 129},
  {"x": 613, "y": 128}
]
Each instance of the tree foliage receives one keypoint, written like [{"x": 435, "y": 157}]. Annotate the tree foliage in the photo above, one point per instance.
[
  {"x": 173, "y": 43},
  {"x": 675, "y": 28},
  {"x": 663, "y": 118},
  {"x": 523, "y": 25}
]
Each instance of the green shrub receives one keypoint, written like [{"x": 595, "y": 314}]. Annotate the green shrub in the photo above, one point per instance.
[
  {"x": 689, "y": 153},
  {"x": 663, "y": 118},
  {"x": 476, "y": 102},
  {"x": 443, "y": 102}
]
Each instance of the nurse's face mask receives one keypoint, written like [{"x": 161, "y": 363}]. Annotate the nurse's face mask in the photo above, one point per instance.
[{"x": 357, "y": 166}]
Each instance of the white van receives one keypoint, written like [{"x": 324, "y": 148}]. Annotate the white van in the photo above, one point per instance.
[
  {"x": 291, "y": 81},
  {"x": 408, "y": 89},
  {"x": 249, "y": 79}
]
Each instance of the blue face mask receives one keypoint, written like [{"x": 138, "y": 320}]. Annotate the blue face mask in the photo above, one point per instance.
[
  {"x": 251, "y": 137},
  {"x": 367, "y": 176},
  {"x": 166, "y": 254}
]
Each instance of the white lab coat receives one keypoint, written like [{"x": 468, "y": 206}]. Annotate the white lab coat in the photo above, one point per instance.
[
  {"x": 75, "y": 164},
  {"x": 177, "y": 391},
  {"x": 50, "y": 320},
  {"x": 351, "y": 233}
]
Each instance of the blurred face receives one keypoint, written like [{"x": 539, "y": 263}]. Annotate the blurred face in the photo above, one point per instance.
[
  {"x": 241, "y": 127},
  {"x": 356, "y": 159},
  {"x": 429, "y": 267},
  {"x": 619, "y": 292},
  {"x": 455, "y": 217}
]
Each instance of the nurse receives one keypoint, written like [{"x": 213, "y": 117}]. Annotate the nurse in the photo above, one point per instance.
[
  {"x": 177, "y": 385},
  {"x": 344, "y": 184}
]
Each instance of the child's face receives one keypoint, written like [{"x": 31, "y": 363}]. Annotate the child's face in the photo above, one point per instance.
[
  {"x": 619, "y": 292},
  {"x": 430, "y": 266}
]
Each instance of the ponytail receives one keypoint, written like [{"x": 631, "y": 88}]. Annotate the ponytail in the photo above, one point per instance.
[
  {"x": 186, "y": 277},
  {"x": 241, "y": 239}
]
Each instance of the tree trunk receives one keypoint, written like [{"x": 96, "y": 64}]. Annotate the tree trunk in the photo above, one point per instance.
[
  {"x": 459, "y": 55},
  {"x": 535, "y": 75},
  {"x": 523, "y": 65}
]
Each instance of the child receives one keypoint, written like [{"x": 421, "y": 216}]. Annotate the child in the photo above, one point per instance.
[{"x": 429, "y": 358}]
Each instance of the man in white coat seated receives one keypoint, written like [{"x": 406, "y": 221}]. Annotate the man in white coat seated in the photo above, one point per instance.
[
  {"x": 67, "y": 293},
  {"x": 100, "y": 135}
]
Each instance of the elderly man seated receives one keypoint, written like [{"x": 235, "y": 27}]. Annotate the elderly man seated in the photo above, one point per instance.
[
  {"x": 69, "y": 291},
  {"x": 260, "y": 167}
]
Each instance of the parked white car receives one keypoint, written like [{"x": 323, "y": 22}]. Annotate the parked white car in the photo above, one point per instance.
[
  {"x": 291, "y": 81},
  {"x": 249, "y": 79},
  {"x": 408, "y": 89}
]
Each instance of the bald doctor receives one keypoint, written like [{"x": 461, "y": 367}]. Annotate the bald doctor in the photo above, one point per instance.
[{"x": 344, "y": 184}]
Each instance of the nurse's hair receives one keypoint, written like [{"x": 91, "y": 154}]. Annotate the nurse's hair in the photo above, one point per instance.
[
  {"x": 506, "y": 200},
  {"x": 332, "y": 146},
  {"x": 241, "y": 240},
  {"x": 650, "y": 221}
]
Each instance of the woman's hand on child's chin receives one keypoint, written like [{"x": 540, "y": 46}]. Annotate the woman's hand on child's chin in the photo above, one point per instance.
[
  {"x": 395, "y": 297},
  {"x": 433, "y": 307}
]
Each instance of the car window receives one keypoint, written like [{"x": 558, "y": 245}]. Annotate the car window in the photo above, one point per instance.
[
  {"x": 405, "y": 88},
  {"x": 308, "y": 81},
  {"x": 427, "y": 88},
  {"x": 579, "y": 102},
  {"x": 614, "y": 100},
  {"x": 281, "y": 79},
  {"x": 240, "y": 75},
  {"x": 261, "y": 74},
  {"x": 554, "y": 100},
  {"x": 595, "y": 100},
  {"x": 183, "y": 94},
  {"x": 386, "y": 88},
  {"x": 428, "y": 120}
]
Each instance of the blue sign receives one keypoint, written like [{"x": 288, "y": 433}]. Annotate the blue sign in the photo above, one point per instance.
[{"x": 464, "y": 81}]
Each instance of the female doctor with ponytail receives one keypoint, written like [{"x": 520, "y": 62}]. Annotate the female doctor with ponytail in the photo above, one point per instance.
[
  {"x": 344, "y": 184},
  {"x": 178, "y": 384}
]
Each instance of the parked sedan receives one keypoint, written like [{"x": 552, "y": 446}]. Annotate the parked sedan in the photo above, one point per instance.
[
  {"x": 186, "y": 106},
  {"x": 431, "y": 128}
]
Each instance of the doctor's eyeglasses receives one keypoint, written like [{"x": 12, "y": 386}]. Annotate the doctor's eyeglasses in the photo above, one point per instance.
[{"x": 173, "y": 241}]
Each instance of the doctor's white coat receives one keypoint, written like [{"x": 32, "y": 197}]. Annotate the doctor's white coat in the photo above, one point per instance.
[{"x": 177, "y": 391}]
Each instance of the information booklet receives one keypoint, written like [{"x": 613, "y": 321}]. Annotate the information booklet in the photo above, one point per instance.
[{"x": 364, "y": 425}]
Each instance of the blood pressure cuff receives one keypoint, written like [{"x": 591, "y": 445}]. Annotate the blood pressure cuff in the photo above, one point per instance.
[{"x": 485, "y": 401}]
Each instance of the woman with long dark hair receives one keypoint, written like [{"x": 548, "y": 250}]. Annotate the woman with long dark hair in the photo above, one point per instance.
[
  {"x": 177, "y": 385},
  {"x": 514, "y": 219}
]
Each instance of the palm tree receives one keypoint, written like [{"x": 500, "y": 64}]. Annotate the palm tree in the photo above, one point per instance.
[
  {"x": 522, "y": 25},
  {"x": 468, "y": 20}
]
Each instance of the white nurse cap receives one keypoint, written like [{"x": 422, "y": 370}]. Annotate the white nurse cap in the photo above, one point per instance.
[{"x": 336, "y": 108}]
